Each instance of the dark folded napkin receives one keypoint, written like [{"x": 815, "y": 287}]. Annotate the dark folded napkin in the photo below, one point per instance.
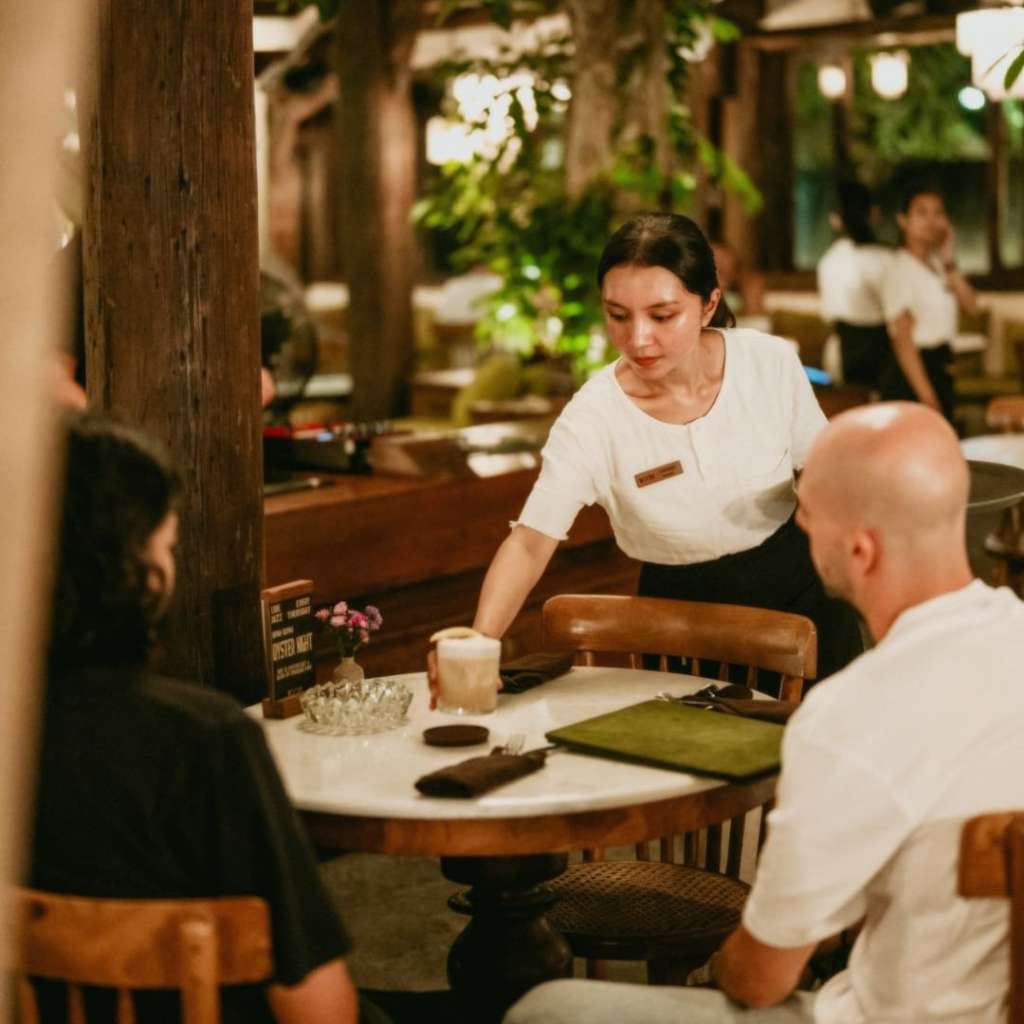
[
  {"x": 533, "y": 669},
  {"x": 479, "y": 775},
  {"x": 739, "y": 700}
]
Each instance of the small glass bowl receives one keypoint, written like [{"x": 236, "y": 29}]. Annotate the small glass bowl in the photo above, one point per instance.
[{"x": 356, "y": 707}]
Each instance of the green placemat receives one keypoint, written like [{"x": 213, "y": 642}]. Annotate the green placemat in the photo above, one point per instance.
[{"x": 670, "y": 735}]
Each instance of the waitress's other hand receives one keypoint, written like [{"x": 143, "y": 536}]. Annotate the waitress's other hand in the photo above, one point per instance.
[{"x": 947, "y": 243}]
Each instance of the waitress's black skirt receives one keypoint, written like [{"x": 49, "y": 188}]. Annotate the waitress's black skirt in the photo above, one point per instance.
[
  {"x": 865, "y": 351},
  {"x": 938, "y": 362},
  {"x": 778, "y": 574}
]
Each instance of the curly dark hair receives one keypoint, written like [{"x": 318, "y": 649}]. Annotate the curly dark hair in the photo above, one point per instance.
[{"x": 119, "y": 487}]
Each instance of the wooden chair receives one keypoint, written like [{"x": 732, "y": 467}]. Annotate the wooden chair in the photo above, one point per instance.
[
  {"x": 191, "y": 945},
  {"x": 671, "y": 915},
  {"x": 992, "y": 866}
]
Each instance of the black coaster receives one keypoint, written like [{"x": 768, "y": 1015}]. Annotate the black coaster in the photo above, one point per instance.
[{"x": 455, "y": 735}]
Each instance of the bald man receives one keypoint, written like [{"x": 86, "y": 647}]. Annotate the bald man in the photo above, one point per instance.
[{"x": 882, "y": 764}]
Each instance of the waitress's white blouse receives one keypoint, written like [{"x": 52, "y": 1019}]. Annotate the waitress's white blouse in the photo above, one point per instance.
[{"x": 736, "y": 484}]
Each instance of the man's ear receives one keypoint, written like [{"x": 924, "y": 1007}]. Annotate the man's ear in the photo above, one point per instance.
[{"x": 864, "y": 549}]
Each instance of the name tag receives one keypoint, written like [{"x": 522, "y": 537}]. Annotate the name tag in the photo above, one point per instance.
[{"x": 659, "y": 473}]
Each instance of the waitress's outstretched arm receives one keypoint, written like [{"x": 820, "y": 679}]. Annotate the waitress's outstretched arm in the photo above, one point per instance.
[{"x": 514, "y": 571}]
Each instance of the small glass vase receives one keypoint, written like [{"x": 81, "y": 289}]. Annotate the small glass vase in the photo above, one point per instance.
[{"x": 348, "y": 670}]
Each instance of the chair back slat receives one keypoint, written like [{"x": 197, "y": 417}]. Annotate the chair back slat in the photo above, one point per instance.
[
  {"x": 773, "y": 641},
  {"x": 723, "y": 671},
  {"x": 27, "y": 1007},
  {"x": 734, "y": 853},
  {"x": 636, "y": 660},
  {"x": 76, "y": 1005},
  {"x": 192, "y": 945},
  {"x": 200, "y": 999},
  {"x": 125, "y": 1007},
  {"x": 992, "y": 866}
]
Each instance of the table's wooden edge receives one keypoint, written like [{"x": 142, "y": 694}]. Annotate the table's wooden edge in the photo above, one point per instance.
[{"x": 462, "y": 837}]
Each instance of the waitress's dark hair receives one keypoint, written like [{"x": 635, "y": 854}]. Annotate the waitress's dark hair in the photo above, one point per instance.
[
  {"x": 855, "y": 205},
  {"x": 674, "y": 242},
  {"x": 119, "y": 487}
]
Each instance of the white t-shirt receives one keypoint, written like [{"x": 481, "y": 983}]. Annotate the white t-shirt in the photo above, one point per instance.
[
  {"x": 737, "y": 461},
  {"x": 921, "y": 289},
  {"x": 850, "y": 282},
  {"x": 882, "y": 764}
]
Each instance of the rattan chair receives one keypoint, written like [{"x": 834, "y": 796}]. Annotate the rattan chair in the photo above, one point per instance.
[
  {"x": 992, "y": 866},
  {"x": 671, "y": 915},
  {"x": 191, "y": 945}
]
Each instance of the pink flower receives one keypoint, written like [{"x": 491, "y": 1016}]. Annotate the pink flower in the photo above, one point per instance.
[
  {"x": 323, "y": 614},
  {"x": 337, "y": 621},
  {"x": 340, "y": 609},
  {"x": 364, "y": 635},
  {"x": 374, "y": 617},
  {"x": 358, "y": 620}
]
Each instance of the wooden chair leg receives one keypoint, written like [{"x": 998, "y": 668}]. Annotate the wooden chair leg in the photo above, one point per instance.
[{"x": 597, "y": 970}]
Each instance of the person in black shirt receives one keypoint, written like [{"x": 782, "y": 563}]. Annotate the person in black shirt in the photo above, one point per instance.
[{"x": 154, "y": 788}]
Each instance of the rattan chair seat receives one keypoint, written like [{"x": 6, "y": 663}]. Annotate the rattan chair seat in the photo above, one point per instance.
[{"x": 645, "y": 910}]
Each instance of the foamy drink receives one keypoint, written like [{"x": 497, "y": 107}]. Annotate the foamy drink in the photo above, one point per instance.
[{"x": 467, "y": 668}]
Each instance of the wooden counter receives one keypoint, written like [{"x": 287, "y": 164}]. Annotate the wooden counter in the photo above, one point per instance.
[{"x": 418, "y": 548}]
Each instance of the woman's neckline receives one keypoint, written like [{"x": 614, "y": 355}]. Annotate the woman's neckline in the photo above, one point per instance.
[{"x": 726, "y": 376}]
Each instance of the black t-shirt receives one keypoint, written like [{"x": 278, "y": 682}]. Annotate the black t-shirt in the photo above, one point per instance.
[{"x": 150, "y": 788}]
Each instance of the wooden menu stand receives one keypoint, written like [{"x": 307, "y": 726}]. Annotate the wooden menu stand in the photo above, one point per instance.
[{"x": 287, "y": 615}]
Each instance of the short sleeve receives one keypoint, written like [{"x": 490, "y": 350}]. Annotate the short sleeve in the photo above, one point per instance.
[
  {"x": 263, "y": 851},
  {"x": 835, "y": 825},
  {"x": 897, "y": 290},
  {"x": 806, "y": 420},
  {"x": 566, "y": 482}
]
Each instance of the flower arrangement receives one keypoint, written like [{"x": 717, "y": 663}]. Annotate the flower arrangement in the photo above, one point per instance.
[{"x": 351, "y": 628}]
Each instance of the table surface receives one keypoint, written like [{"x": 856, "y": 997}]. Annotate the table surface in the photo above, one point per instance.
[
  {"x": 1007, "y": 449},
  {"x": 372, "y": 776}
]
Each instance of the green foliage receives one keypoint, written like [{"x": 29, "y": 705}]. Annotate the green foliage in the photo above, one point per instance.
[
  {"x": 508, "y": 209},
  {"x": 927, "y": 123},
  {"x": 1014, "y": 70}
]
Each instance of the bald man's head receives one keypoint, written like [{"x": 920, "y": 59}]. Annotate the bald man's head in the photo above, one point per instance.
[{"x": 893, "y": 471}]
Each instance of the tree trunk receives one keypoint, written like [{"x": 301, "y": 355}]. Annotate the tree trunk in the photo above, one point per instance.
[
  {"x": 620, "y": 92},
  {"x": 172, "y": 299},
  {"x": 35, "y": 51},
  {"x": 377, "y": 146}
]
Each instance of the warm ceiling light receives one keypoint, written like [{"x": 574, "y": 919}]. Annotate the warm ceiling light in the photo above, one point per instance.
[
  {"x": 889, "y": 74},
  {"x": 992, "y": 38},
  {"x": 831, "y": 81}
]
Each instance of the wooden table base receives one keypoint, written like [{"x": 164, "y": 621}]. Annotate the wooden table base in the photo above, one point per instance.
[{"x": 508, "y": 946}]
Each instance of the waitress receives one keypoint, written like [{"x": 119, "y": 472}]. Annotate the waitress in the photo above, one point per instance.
[
  {"x": 851, "y": 276},
  {"x": 923, "y": 296},
  {"x": 689, "y": 441}
]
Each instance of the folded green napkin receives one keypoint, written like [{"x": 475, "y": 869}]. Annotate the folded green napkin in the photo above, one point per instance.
[{"x": 668, "y": 734}]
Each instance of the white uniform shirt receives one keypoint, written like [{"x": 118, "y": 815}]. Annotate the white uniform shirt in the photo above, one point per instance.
[
  {"x": 736, "y": 484},
  {"x": 850, "y": 282},
  {"x": 882, "y": 765},
  {"x": 921, "y": 289}
]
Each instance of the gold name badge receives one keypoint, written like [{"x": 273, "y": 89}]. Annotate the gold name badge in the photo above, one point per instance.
[{"x": 659, "y": 473}]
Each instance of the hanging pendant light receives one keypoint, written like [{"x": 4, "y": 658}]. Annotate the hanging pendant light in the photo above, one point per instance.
[
  {"x": 831, "y": 81},
  {"x": 992, "y": 37},
  {"x": 889, "y": 74}
]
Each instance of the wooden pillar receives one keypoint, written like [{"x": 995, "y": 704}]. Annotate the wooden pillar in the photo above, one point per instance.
[
  {"x": 774, "y": 176},
  {"x": 35, "y": 48},
  {"x": 172, "y": 308},
  {"x": 741, "y": 140},
  {"x": 377, "y": 138}
]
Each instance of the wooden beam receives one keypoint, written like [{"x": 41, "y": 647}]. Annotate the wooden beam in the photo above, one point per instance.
[
  {"x": 172, "y": 300},
  {"x": 35, "y": 63},
  {"x": 377, "y": 156},
  {"x": 921, "y": 31}
]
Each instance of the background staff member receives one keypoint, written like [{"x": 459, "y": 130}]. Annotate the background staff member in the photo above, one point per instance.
[
  {"x": 924, "y": 292},
  {"x": 851, "y": 276},
  {"x": 689, "y": 441}
]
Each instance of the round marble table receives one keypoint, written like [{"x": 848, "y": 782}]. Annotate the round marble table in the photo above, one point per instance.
[
  {"x": 995, "y": 516},
  {"x": 357, "y": 793}
]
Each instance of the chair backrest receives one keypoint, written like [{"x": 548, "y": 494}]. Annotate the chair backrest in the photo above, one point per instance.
[
  {"x": 699, "y": 631},
  {"x": 992, "y": 866},
  {"x": 192, "y": 945}
]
